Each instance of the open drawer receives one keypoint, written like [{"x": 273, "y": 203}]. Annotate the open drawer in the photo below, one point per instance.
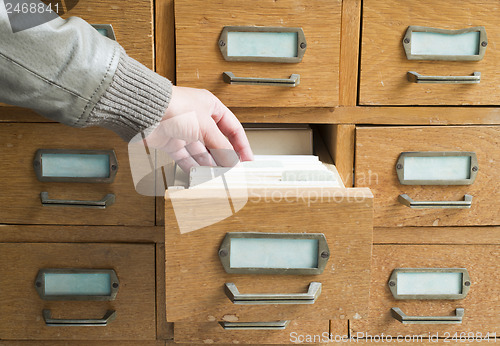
[{"x": 267, "y": 254}]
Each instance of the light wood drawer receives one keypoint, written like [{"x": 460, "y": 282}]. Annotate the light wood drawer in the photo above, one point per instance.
[
  {"x": 22, "y": 306},
  {"x": 296, "y": 332},
  {"x": 132, "y": 23},
  {"x": 384, "y": 64},
  {"x": 196, "y": 279},
  {"x": 200, "y": 62},
  {"x": 480, "y": 304},
  {"x": 21, "y": 198},
  {"x": 378, "y": 150}
]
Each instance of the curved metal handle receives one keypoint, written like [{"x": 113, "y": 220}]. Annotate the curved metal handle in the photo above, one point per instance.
[
  {"x": 406, "y": 200},
  {"x": 273, "y": 298},
  {"x": 108, "y": 200},
  {"x": 414, "y": 77},
  {"x": 403, "y": 318},
  {"x": 278, "y": 325},
  {"x": 293, "y": 81},
  {"x": 102, "y": 322}
]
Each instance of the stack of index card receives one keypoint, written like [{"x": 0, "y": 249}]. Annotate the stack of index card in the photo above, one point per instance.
[{"x": 268, "y": 171}]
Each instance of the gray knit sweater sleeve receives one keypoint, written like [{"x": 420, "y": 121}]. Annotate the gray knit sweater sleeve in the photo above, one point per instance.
[
  {"x": 135, "y": 100},
  {"x": 68, "y": 72}
]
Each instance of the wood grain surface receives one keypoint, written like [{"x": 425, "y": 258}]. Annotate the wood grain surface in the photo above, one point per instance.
[
  {"x": 377, "y": 151},
  {"x": 384, "y": 64},
  {"x": 481, "y": 304},
  {"x": 212, "y": 332},
  {"x": 22, "y": 307},
  {"x": 20, "y": 198},
  {"x": 194, "y": 271},
  {"x": 200, "y": 64}
]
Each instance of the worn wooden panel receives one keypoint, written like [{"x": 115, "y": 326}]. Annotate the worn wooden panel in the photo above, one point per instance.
[
  {"x": 194, "y": 271},
  {"x": 349, "y": 52},
  {"x": 372, "y": 115},
  {"x": 164, "y": 330},
  {"x": 80, "y": 234},
  {"x": 377, "y": 151},
  {"x": 432, "y": 235},
  {"x": 22, "y": 307},
  {"x": 213, "y": 333},
  {"x": 339, "y": 140},
  {"x": 165, "y": 38},
  {"x": 132, "y": 22},
  {"x": 481, "y": 304},
  {"x": 20, "y": 198},
  {"x": 200, "y": 64},
  {"x": 384, "y": 64},
  {"x": 81, "y": 343}
]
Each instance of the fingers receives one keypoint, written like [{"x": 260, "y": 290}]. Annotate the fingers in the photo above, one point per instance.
[
  {"x": 233, "y": 130},
  {"x": 200, "y": 154}
]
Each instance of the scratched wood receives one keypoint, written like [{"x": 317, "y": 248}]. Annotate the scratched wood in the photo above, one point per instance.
[
  {"x": 384, "y": 64},
  {"x": 200, "y": 64},
  {"x": 22, "y": 307},
  {"x": 481, "y": 304},
  {"x": 378, "y": 149},
  {"x": 194, "y": 271}
]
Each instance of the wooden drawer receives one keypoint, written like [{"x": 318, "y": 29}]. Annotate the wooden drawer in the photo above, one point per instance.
[
  {"x": 22, "y": 306},
  {"x": 378, "y": 150},
  {"x": 384, "y": 64},
  {"x": 21, "y": 189},
  {"x": 200, "y": 62},
  {"x": 194, "y": 270},
  {"x": 296, "y": 332},
  {"x": 132, "y": 23},
  {"x": 480, "y": 304}
]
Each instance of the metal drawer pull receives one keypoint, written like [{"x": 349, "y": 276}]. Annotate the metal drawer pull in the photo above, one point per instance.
[
  {"x": 293, "y": 81},
  {"x": 278, "y": 325},
  {"x": 102, "y": 322},
  {"x": 273, "y": 298},
  {"x": 406, "y": 200},
  {"x": 108, "y": 200},
  {"x": 403, "y": 318},
  {"x": 414, "y": 77}
]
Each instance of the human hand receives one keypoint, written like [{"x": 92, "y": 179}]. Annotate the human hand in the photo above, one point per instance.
[{"x": 199, "y": 130}]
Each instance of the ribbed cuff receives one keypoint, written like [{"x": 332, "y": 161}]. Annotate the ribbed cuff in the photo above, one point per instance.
[{"x": 136, "y": 100}]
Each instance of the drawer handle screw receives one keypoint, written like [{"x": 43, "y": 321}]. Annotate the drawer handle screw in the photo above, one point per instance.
[
  {"x": 484, "y": 43},
  {"x": 406, "y": 40},
  {"x": 474, "y": 169},
  {"x": 392, "y": 283},
  {"x": 223, "y": 253},
  {"x": 399, "y": 166},
  {"x": 115, "y": 284},
  {"x": 325, "y": 254},
  {"x": 222, "y": 43},
  {"x": 38, "y": 284},
  {"x": 467, "y": 283},
  {"x": 303, "y": 45}
]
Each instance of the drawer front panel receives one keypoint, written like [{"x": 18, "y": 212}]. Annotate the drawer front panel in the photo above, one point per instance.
[
  {"x": 480, "y": 305},
  {"x": 296, "y": 332},
  {"x": 22, "y": 190},
  {"x": 193, "y": 258},
  {"x": 200, "y": 62},
  {"x": 22, "y": 308},
  {"x": 132, "y": 22},
  {"x": 377, "y": 153},
  {"x": 384, "y": 64}
]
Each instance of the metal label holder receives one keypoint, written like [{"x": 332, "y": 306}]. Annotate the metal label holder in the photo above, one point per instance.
[
  {"x": 110, "y": 32},
  {"x": 393, "y": 283},
  {"x": 483, "y": 43},
  {"x": 40, "y": 285},
  {"x": 322, "y": 256},
  {"x": 112, "y": 169},
  {"x": 400, "y": 167},
  {"x": 301, "y": 44}
]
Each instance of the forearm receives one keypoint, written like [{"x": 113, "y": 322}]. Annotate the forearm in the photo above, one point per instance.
[{"x": 68, "y": 72}]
